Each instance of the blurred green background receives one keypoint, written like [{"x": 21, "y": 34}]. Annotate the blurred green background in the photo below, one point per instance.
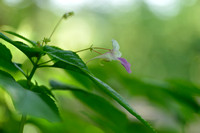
[{"x": 160, "y": 39}]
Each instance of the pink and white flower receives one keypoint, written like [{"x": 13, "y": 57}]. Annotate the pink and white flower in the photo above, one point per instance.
[{"x": 115, "y": 54}]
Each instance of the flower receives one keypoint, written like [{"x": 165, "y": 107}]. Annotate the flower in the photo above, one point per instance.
[{"x": 115, "y": 54}]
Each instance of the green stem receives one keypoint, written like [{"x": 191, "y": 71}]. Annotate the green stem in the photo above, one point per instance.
[
  {"x": 35, "y": 66},
  {"x": 22, "y": 122},
  {"x": 101, "y": 48},
  {"x": 83, "y": 50},
  {"x": 92, "y": 48},
  {"x": 97, "y": 52},
  {"x": 55, "y": 27},
  {"x": 45, "y": 62},
  {"x": 20, "y": 70},
  {"x": 23, "y": 119}
]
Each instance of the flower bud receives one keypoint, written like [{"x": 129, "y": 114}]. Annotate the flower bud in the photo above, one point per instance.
[{"x": 66, "y": 15}]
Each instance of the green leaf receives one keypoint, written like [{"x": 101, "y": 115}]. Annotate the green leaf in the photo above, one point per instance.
[
  {"x": 117, "y": 97},
  {"x": 28, "y": 51},
  {"x": 59, "y": 86},
  {"x": 28, "y": 102},
  {"x": 5, "y": 59},
  {"x": 184, "y": 92},
  {"x": 43, "y": 90},
  {"x": 184, "y": 87},
  {"x": 109, "y": 114},
  {"x": 22, "y": 37},
  {"x": 69, "y": 60},
  {"x": 39, "y": 89},
  {"x": 83, "y": 80},
  {"x": 177, "y": 98},
  {"x": 161, "y": 92}
]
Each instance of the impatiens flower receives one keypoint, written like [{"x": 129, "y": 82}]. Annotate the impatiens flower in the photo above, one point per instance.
[{"x": 115, "y": 54}]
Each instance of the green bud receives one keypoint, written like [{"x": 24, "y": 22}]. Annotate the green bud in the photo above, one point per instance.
[
  {"x": 91, "y": 48},
  {"x": 66, "y": 15},
  {"x": 38, "y": 43}
]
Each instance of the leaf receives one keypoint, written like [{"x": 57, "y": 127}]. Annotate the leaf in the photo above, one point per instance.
[
  {"x": 28, "y": 102},
  {"x": 28, "y": 51},
  {"x": 111, "y": 115},
  {"x": 43, "y": 90},
  {"x": 39, "y": 89},
  {"x": 69, "y": 60},
  {"x": 184, "y": 87},
  {"x": 22, "y": 37},
  {"x": 177, "y": 98},
  {"x": 82, "y": 80},
  {"x": 184, "y": 92},
  {"x": 59, "y": 86},
  {"x": 116, "y": 96},
  {"x": 5, "y": 59},
  {"x": 161, "y": 92}
]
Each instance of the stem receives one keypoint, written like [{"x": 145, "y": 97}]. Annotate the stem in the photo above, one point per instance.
[
  {"x": 97, "y": 52},
  {"x": 55, "y": 27},
  {"x": 32, "y": 72},
  {"x": 23, "y": 119},
  {"x": 22, "y": 122},
  {"x": 43, "y": 42},
  {"x": 83, "y": 50},
  {"x": 20, "y": 70},
  {"x": 31, "y": 61},
  {"x": 45, "y": 62},
  {"x": 92, "y": 48},
  {"x": 101, "y": 48},
  {"x": 35, "y": 66}
]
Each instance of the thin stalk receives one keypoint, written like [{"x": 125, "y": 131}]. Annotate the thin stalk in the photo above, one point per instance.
[
  {"x": 20, "y": 70},
  {"x": 23, "y": 119},
  {"x": 22, "y": 122},
  {"x": 32, "y": 72},
  {"x": 55, "y": 27},
  {"x": 31, "y": 60},
  {"x": 83, "y": 50},
  {"x": 35, "y": 66},
  {"x": 97, "y": 52},
  {"x": 45, "y": 62},
  {"x": 43, "y": 42},
  {"x": 101, "y": 48},
  {"x": 92, "y": 48}
]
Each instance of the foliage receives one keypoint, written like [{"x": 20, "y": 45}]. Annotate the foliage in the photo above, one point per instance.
[
  {"x": 31, "y": 99},
  {"x": 78, "y": 101}
]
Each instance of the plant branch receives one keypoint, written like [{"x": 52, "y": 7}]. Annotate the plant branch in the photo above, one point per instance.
[
  {"x": 35, "y": 66},
  {"x": 83, "y": 50},
  {"x": 92, "y": 49},
  {"x": 101, "y": 48},
  {"x": 20, "y": 70},
  {"x": 55, "y": 27},
  {"x": 22, "y": 122},
  {"x": 45, "y": 62},
  {"x": 97, "y": 52}
]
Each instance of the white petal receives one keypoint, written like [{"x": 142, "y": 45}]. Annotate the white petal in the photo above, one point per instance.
[
  {"x": 107, "y": 56},
  {"x": 117, "y": 54},
  {"x": 115, "y": 45}
]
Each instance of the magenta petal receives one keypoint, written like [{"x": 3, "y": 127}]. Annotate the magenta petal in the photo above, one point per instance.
[{"x": 125, "y": 63}]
